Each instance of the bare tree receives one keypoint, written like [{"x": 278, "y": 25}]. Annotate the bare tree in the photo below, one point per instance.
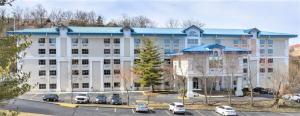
[
  {"x": 5, "y": 2},
  {"x": 172, "y": 23},
  {"x": 231, "y": 66},
  {"x": 17, "y": 14},
  {"x": 279, "y": 82},
  {"x": 190, "y": 22},
  {"x": 91, "y": 16},
  {"x": 126, "y": 80},
  {"x": 141, "y": 21},
  {"x": 56, "y": 16},
  {"x": 67, "y": 15},
  {"x": 251, "y": 76},
  {"x": 39, "y": 14},
  {"x": 200, "y": 65},
  {"x": 181, "y": 77}
]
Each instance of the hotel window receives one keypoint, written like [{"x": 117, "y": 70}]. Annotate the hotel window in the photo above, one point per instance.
[
  {"x": 75, "y": 61},
  {"x": 218, "y": 41},
  {"x": 243, "y": 41},
  {"x": 52, "y": 72},
  {"x": 42, "y": 40},
  {"x": 262, "y": 41},
  {"x": 75, "y": 72},
  {"x": 85, "y": 85},
  {"x": 167, "y": 51},
  {"x": 42, "y": 51},
  {"x": 192, "y": 41},
  {"x": 193, "y": 34},
  {"x": 215, "y": 62},
  {"x": 270, "y": 60},
  {"x": 52, "y": 51},
  {"x": 42, "y": 86},
  {"x": 52, "y": 40},
  {"x": 262, "y": 60},
  {"x": 236, "y": 41},
  {"x": 84, "y": 41},
  {"x": 176, "y": 41},
  {"x": 85, "y": 61},
  {"x": 116, "y": 51},
  {"x": 245, "y": 70},
  {"x": 42, "y": 62},
  {"x": 85, "y": 72},
  {"x": 262, "y": 70},
  {"x": 106, "y": 85},
  {"x": 245, "y": 60},
  {"x": 42, "y": 73},
  {"x": 270, "y": 42},
  {"x": 167, "y": 41},
  {"x": 74, "y": 51},
  {"x": 270, "y": 51},
  {"x": 52, "y": 86},
  {"x": 117, "y": 72},
  {"x": 117, "y": 61},
  {"x": 106, "y": 51},
  {"x": 75, "y": 85},
  {"x": 106, "y": 72},
  {"x": 262, "y": 51},
  {"x": 136, "y": 51},
  {"x": 52, "y": 62},
  {"x": 85, "y": 51},
  {"x": 106, "y": 40},
  {"x": 74, "y": 40},
  {"x": 116, "y": 41},
  {"x": 106, "y": 61},
  {"x": 270, "y": 70},
  {"x": 116, "y": 84},
  {"x": 137, "y": 41}
]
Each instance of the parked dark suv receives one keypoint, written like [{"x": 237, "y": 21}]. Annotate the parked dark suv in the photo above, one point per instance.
[
  {"x": 50, "y": 97},
  {"x": 116, "y": 99},
  {"x": 101, "y": 99}
]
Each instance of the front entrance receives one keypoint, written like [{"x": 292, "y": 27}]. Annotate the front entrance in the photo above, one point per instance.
[{"x": 195, "y": 83}]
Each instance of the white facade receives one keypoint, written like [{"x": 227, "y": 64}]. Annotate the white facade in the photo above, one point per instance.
[{"x": 85, "y": 59}]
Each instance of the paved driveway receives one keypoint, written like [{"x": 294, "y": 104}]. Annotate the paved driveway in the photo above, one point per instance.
[{"x": 51, "y": 109}]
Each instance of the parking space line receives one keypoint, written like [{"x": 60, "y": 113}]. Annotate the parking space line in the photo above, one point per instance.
[
  {"x": 168, "y": 112},
  {"x": 199, "y": 113},
  {"x": 132, "y": 111},
  {"x": 115, "y": 109}
]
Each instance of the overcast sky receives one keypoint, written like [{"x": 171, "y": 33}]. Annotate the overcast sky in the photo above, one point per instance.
[{"x": 267, "y": 15}]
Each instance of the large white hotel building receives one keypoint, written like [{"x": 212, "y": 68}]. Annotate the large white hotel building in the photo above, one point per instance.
[{"x": 67, "y": 58}]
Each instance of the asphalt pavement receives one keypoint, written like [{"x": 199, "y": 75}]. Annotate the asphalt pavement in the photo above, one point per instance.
[{"x": 52, "y": 109}]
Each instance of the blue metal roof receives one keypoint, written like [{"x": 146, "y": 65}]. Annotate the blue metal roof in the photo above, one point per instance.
[
  {"x": 210, "y": 47},
  {"x": 147, "y": 31}
]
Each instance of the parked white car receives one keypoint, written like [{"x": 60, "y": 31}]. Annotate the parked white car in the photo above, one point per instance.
[
  {"x": 82, "y": 98},
  {"x": 141, "y": 107},
  {"x": 295, "y": 98},
  {"x": 176, "y": 107},
  {"x": 225, "y": 110}
]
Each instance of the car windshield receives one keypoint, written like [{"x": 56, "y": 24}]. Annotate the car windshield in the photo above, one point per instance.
[
  {"x": 82, "y": 95},
  {"x": 142, "y": 105},
  {"x": 180, "y": 106},
  {"x": 229, "y": 108}
]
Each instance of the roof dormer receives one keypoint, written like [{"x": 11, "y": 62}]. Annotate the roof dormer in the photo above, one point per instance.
[
  {"x": 193, "y": 31},
  {"x": 254, "y": 32}
]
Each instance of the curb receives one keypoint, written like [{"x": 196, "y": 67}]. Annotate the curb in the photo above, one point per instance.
[{"x": 68, "y": 105}]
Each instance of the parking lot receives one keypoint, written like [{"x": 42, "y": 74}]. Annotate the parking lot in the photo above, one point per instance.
[
  {"x": 91, "y": 111},
  {"x": 135, "y": 96},
  {"x": 51, "y": 109}
]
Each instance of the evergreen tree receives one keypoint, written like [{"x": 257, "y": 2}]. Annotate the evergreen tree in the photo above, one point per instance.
[
  {"x": 148, "y": 68},
  {"x": 13, "y": 82}
]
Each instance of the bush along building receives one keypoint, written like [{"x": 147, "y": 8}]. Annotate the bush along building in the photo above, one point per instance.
[{"x": 92, "y": 59}]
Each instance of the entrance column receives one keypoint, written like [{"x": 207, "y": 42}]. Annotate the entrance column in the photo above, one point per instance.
[
  {"x": 239, "y": 84},
  {"x": 189, "y": 85}
]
